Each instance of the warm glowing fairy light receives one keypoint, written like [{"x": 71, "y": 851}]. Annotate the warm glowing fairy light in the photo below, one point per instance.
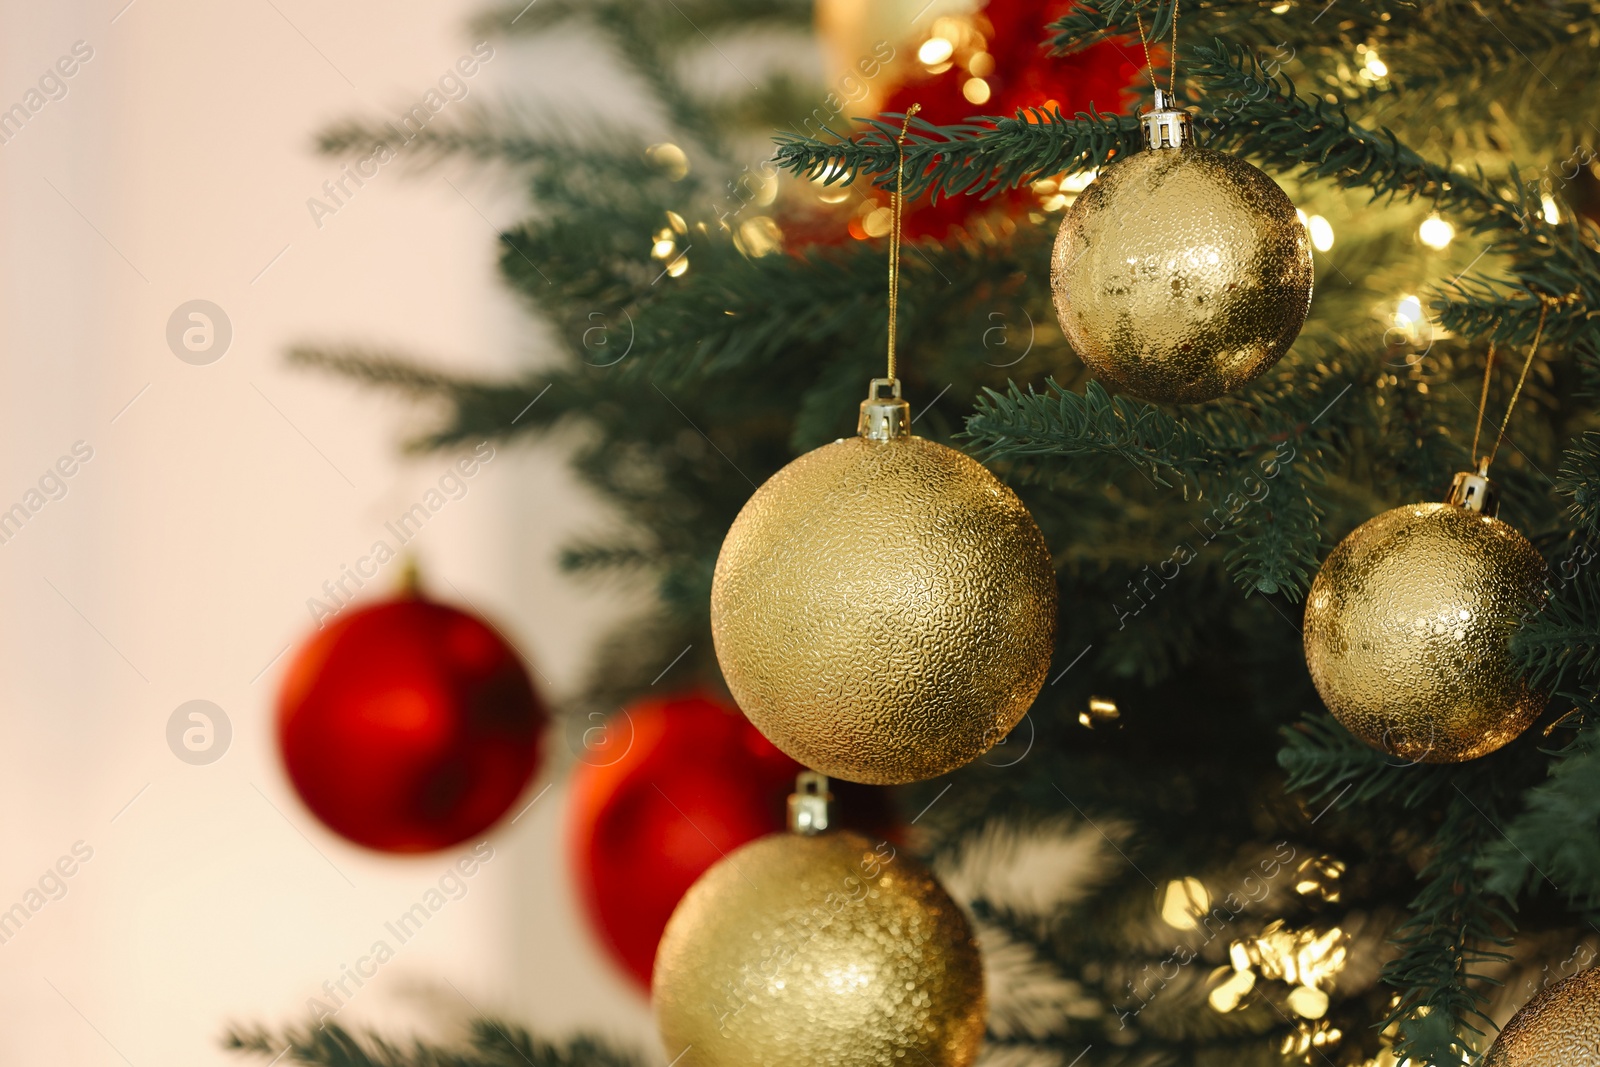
[{"x": 1435, "y": 232}]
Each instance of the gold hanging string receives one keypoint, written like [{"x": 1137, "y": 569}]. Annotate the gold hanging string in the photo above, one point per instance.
[
  {"x": 1483, "y": 401},
  {"x": 1533, "y": 350},
  {"x": 898, "y": 212},
  {"x": 1149, "y": 67},
  {"x": 1172, "y": 71},
  {"x": 1172, "y": 64}
]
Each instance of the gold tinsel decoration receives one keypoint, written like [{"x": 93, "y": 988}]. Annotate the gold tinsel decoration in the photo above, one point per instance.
[
  {"x": 822, "y": 951},
  {"x": 1180, "y": 273},
  {"x": 1558, "y": 1028},
  {"x": 1408, "y": 632}
]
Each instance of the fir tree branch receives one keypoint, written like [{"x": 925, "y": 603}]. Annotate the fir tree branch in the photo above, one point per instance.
[
  {"x": 604, "y": 153},
  {"x": 982, "y": 156},
  {"x": 1579, "y": 481},
  {"x": 697, "y": 16},
  {"x": 489, "y": 1044},
  {"x": 1089, "y": 24},
  {"x": 1552, "y": 839},
  {"x": 1326, "y": 762},
  {"x": 608, "y": 557},
  {"x": 1023, "y": 425},
  {"x": 1454, "y": 927},
  {"x": 1559, "y": 645},
  {"x": 1244, "y": 460},
  {"x": 1270, "y": 121},
  {"x": 481, "y": 410},
  {"x": 1278, "y": 543},
  {"x": 1407, "y": 31},
  {"x": 1550, "y": 264}
]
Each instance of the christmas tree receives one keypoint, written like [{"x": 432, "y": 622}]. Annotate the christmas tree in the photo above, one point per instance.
[{"x": 1179, "y": 857}]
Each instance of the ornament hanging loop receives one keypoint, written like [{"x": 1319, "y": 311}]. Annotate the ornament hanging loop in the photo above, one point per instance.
[
  {"x": 808, "y": 804},
  {"x": 1533, "y": 350},
  {"x": 1172, "y": 66},
  {"x": 884, "y": 418},
  {"x": 1483, "y": 404},
  {"x": 1474, "y": 491},
  {"x": 887, "y": 418},
  {"x": 410, "y": 583},
  {"x": 1165, "y": 126},
  {"x": 1483, "y": 462}
]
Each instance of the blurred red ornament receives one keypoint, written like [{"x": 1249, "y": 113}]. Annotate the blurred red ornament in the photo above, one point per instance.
[
  {"x": 992, "y": 61},
  {"x": 409, "y": 726},
  {"x": 665, "y": 789}
]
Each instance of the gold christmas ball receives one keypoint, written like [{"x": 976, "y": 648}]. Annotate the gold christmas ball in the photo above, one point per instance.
[
  {"x": 1558, "y": 1028},
  {"x": 1408, "y": 632},
  {"x": 884, "y": 610},
  {"x": 1180, "y": 273},
  {"x": 822, "y": 951}
]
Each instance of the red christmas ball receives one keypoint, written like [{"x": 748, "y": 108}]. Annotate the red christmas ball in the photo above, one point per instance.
[
  {"x": 1018, "y": 73},
  {"x": 663, "y": 790},
  {"x": 996, "y": 63},
  {"x": 408, "y": 726}
]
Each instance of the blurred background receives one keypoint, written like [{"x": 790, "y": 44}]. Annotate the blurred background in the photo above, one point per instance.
[{"x": 219, "y": 497}]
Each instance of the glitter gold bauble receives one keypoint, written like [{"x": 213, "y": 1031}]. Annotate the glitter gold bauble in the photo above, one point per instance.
[
  {"x": 884, "y": 608},
  {"x": 1408, "y": 631},
  {"x": 1558, "y": 1028},
  {"x": 1180, "y": 273},
  {"x": 820, "y": 951}
]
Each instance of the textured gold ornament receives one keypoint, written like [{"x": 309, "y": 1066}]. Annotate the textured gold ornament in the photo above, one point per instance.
[
  {"x": 884, "y": 608},
  {"x": 1180, "y": 273},
  {"x": 1558, "y": 1028},
  {"x": 823, "y": 951},
  {"x": 1408, "y": 629}
]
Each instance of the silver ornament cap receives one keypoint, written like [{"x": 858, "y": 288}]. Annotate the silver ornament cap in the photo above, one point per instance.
[
  {"x": 1166, "y": 126},
  {"x": 808, "y": 804},
  {"x": 884, "y": 418},
  {"x": 1474, "y": 491}
]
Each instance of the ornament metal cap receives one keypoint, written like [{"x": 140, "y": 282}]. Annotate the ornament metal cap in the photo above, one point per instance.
[
  {"x": 1474, "y": 491},
  {"x": 808, "y": 804},
  {"x": 884, "y": 418},
  {"x": 1166, "y": 126}
]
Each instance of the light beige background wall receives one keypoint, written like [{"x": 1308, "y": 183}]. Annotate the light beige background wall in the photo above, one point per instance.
[{"x": 219, "y": 498}]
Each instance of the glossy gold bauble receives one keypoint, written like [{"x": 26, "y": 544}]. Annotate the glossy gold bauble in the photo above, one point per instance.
[
  {"x": 1180, "y": 273},
  {"x": 1558, "y": 1028},
  {"x": 1408, "y": 632},
  {"x": 884, "y": 610},
  {"x": 822, "y": 951}
]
